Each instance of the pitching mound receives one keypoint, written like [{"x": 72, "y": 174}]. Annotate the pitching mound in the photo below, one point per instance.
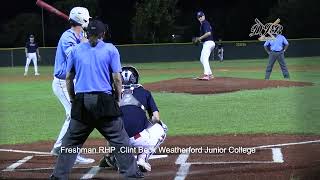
[{"x": 217, "y": 85}]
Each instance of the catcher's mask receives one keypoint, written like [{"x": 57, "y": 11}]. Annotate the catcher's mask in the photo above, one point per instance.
[{"x": 129, "y": 75}]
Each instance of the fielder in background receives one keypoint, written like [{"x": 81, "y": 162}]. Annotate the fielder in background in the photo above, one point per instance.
[
  {"x": 276, "y": 48},
  {"x": 95, "y": 65},
  {"x": 208, "y": 45},
  {"x": 220, "y": 50},
  {"x": 79, "y": 19},
  {"x": 146, "y": 134},
  {"x": 32, "y": 52}
]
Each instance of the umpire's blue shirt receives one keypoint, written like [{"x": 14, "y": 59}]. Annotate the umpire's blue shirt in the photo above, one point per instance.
[
  {"x": 277, "y": 44},
  {"x": 134, "y": 118},
  {"x": 66, "y": 43},
  {"x": 204, "y": 28},
  {"x": 93, "y": 66}
]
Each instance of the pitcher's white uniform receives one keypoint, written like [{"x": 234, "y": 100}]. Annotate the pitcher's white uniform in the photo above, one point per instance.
[{"x": 208, "y": 46}]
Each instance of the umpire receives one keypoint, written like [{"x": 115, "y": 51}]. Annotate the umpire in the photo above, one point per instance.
[
  {"x": 93, "y": 103},
  {"x": 276, "y": 48}
]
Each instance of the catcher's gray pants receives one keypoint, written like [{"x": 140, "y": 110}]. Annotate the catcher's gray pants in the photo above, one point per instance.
[
  {"x": 273, "y": 56},
  {"x": 112, "y": 129}
]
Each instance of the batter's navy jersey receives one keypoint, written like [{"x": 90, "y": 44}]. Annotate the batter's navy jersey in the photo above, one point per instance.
[
  {"x": 134, "y": 118},
  {"x": 31, "y": 47},
  {"x": 204, "y": 28}
]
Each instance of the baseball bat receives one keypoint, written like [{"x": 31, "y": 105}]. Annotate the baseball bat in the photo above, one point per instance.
[{"x": 51, "y": 9}]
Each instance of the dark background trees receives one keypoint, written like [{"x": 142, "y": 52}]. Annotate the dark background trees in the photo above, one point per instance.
[{"x": 152, "y": 21}]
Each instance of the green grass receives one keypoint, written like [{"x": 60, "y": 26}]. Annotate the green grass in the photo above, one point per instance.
[{"x": 30, "y": 112}]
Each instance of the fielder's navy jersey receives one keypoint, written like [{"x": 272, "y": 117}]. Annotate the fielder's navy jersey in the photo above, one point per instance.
[
  {"x": 31, "y": 47},
  {"x": 134, "y": 118},
  {"x": 204, "y": 28}
]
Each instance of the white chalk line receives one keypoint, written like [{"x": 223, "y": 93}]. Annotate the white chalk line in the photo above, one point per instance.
[
  {"x": 27, "y": 152},
  {"x": 91, "y": 173},
  {"x": 52, "y": 168},
  {"x": 184, "y": 167},
  {"x": 13, "y": 166},
  {"x": 286, "y": 144},
  {"x": 231, "y": 162}
]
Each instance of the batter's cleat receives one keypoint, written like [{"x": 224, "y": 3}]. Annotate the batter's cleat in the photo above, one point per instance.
[
  {"x": 143, "y": 166},
  {"x": 82, "y": 160},
  {"x": 108, "y": 161},
  {"x": 55, "y": 151}
]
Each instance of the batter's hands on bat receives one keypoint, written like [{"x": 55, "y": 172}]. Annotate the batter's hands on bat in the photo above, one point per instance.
[{"x": 84, "y": 39}]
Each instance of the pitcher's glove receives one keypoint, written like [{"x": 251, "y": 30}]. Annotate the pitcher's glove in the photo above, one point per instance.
[{"x": 196, "y": 41}]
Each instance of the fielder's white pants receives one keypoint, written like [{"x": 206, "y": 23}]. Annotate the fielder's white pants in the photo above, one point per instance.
[
  {"x": 207, "y": 48},
  {"x": 33, "y": 57},
  {"x": 59, "y": 88},
  {"x": 220, "y": 54},
  {"x": 150, "y": 139}
]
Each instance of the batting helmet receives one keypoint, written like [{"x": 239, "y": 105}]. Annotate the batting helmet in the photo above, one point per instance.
[
  {"x": 130, "y": 75},
  {"x": 79, "y": 15}
]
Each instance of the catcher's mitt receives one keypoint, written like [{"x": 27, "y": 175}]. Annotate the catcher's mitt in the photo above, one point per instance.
[{"x": 195, "y": 41}]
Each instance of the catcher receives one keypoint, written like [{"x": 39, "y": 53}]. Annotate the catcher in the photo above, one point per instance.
[{"x": 148, "y": 134}]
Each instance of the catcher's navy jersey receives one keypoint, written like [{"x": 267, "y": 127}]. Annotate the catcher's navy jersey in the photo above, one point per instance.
[
  {"x": 134, "y": 118},
  {"x": 204, "y": 28}
]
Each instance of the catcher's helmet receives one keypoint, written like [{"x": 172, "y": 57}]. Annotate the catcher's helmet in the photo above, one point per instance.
[
  {"x": 79, "y": 15},
  {"x": 130, "y": 75}
]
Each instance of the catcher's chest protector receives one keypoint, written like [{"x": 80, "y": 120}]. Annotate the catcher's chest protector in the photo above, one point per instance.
[{"x": 129, "y": 99}]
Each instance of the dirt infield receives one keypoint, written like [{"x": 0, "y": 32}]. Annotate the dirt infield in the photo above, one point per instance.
[
  {"x": 218, "y": 85},
  {"x": 274, "y": 157}
]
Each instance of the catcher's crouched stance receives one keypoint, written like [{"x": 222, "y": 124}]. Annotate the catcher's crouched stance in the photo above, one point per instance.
[{"x": 144, "y": 134}]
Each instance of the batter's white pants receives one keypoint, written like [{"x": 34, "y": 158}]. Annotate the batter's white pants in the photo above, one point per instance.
[
  {"x": 207, "y": 48},
  {"x": 59, "y": 88},
  {"x": 150, "y": 139},
  {"x": 33, "y": 57}
]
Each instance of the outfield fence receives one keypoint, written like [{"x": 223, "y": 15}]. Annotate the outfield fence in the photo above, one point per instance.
[{"x": 135, "y": 53}]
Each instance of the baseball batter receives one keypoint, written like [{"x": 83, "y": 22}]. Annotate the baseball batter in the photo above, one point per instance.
[
  {"x": 79, "y": 19},
  {"x": 32, "y": 52},
  {"x": 208, "y": 46},
  {"x": 135, "y": 103}
]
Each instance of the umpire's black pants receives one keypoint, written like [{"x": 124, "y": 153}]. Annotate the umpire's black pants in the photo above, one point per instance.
[
  {"x": 79, "y": 130},
  {"x": 273, "y": 56}
]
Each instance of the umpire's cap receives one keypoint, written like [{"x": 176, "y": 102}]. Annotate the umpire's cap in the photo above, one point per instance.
[{"x": 95, "y": 27}]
